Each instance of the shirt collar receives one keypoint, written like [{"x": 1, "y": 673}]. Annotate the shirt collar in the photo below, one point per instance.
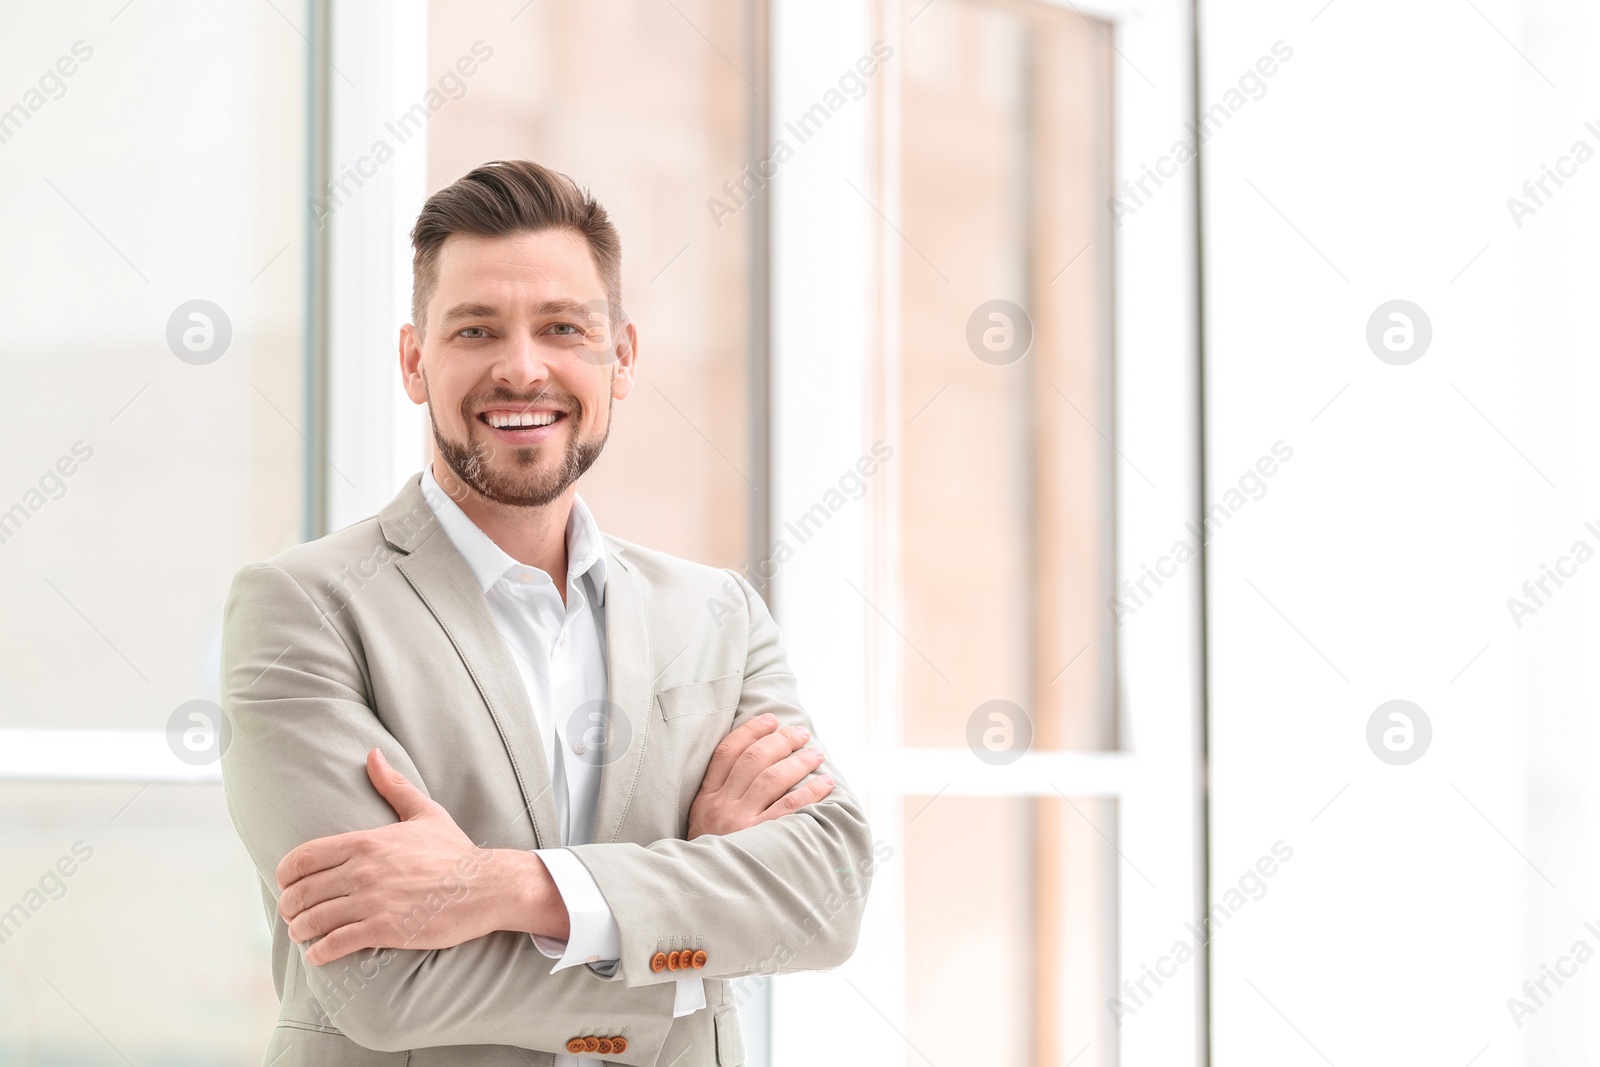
[{"x": 489, "y": 562}]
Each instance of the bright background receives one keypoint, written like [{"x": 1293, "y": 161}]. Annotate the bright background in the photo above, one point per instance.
[{"x": 1043, "y": 855}]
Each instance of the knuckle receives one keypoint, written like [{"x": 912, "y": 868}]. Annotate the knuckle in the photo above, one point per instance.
[{"x": 289, "y": 902}]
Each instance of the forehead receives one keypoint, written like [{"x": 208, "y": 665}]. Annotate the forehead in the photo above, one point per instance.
[{"x": 523, "y": 265}]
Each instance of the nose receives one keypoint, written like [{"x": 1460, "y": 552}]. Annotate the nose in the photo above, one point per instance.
[{"x": 520, "y": 365}]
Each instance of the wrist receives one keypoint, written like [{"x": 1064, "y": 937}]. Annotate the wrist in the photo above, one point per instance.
[{"x": 526, "y": 898}]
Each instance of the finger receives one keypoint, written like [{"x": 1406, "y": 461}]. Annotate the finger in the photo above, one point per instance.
[
  {"x": 324, "y": 918},
  {"x": 808, "y": 792},
  {"x": 321, "y": 854},
  {"x": 763, "y": 754},
  {"x": 343, "y": 941},
  {"x": 733, "y": 746},
  {"x": 779, "y": 778},
  {"x": 407, "y": 800},
  {"x": 310, "y": 891}
]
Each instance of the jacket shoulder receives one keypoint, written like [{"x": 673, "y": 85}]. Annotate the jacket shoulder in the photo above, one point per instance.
[
  {"x": 676, "y": 575},
  {"x": 325, "y": 559}
]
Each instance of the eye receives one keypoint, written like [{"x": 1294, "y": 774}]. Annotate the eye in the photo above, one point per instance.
[
  {"x": 575, "y": 331},
  {"x": 473, "y": 333}
]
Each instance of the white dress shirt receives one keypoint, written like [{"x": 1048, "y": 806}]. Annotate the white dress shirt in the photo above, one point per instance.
[{"x": 560, "y": 653}]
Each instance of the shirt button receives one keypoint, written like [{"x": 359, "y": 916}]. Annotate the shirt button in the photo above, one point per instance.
[
  {"x": 526, "y": 576},
  {"x": 577, "y": 748},
  {"x": 563, "y": 641}
]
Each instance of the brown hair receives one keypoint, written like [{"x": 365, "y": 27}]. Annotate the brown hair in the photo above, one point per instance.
[{"x": 506, "y": 197}]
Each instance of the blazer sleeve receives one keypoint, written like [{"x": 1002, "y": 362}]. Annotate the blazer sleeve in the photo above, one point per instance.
[
  {"x": 785, "y": 895},
  {"x": 294, "y": 770}
]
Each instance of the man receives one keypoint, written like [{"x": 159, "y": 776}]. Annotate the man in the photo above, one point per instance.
[{"x": 473, "y": 718}]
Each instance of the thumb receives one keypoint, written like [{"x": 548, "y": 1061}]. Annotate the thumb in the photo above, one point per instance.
[{"x": 407, "y": 800}]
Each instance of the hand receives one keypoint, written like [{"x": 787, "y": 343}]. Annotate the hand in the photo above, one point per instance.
[
  {"x": 753, "y": 776},
  {"x": 418, "y": 883}
]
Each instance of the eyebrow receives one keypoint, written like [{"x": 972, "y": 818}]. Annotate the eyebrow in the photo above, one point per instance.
[
  {"x": 468, "y": 311},
  {"x": 488, "y": 311}
]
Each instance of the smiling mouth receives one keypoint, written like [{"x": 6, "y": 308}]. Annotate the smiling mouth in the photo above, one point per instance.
[{"x": 522, "y": 426}]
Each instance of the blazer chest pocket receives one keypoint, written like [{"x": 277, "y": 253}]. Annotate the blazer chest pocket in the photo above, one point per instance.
[{"x": 701, "y": 698}]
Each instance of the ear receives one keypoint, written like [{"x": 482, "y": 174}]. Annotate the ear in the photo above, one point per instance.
[
  {"x": 627, "y": 361},
  {"x": 411, "y": 365}
]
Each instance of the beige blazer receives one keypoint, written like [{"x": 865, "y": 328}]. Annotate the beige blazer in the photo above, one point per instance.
[{"x": 378, "y": 636}]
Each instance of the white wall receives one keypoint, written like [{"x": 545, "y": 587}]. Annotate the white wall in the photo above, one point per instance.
[{"x": 1378, "y": 564}]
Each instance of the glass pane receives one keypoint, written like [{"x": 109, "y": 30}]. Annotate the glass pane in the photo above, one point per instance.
[
  {"x": 632, "y": 101},
  {"x": 131, "y": 929},
  {"x": 1004, "y": 377},
  {"x": 152, "y": 445},
  {"x": 1010, "y": 930}
]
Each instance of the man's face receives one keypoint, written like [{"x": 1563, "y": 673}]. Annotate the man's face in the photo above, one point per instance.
[{"x": 518, "y": 363}]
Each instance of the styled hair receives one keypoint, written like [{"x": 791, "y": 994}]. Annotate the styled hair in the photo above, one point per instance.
[{"x": 507, "y": 197}]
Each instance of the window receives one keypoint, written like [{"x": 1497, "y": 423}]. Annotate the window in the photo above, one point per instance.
[
  {"x": 155, "y": 431},
  {"x": 1031, "y": 762}
]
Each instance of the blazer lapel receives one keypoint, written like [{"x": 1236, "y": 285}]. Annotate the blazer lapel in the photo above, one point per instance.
[
  {"x": 630, "y": 688},
  {"x": 441, "y": 577}
]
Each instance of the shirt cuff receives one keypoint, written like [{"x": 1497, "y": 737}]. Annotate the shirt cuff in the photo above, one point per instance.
[
  {"x": 594, "y": 936},
  {"x": 690, "y": 997}
]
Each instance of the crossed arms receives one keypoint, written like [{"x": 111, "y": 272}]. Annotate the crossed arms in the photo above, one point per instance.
[{"x": 408, "y": 935}]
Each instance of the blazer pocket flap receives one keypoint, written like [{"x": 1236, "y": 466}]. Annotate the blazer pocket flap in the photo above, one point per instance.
[{"x": 701, "y": 698}]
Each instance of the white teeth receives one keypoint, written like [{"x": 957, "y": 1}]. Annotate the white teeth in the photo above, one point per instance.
[{"x": 506, "y": 419}]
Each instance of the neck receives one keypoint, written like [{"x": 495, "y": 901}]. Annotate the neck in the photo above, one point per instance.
[{"x": 536, "y": 536}]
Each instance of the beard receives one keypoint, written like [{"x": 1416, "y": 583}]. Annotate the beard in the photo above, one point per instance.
[{"x": 528, "y": 476}]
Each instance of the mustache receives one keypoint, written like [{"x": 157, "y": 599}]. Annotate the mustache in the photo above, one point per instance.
[{"x": 546, "y": 398}]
